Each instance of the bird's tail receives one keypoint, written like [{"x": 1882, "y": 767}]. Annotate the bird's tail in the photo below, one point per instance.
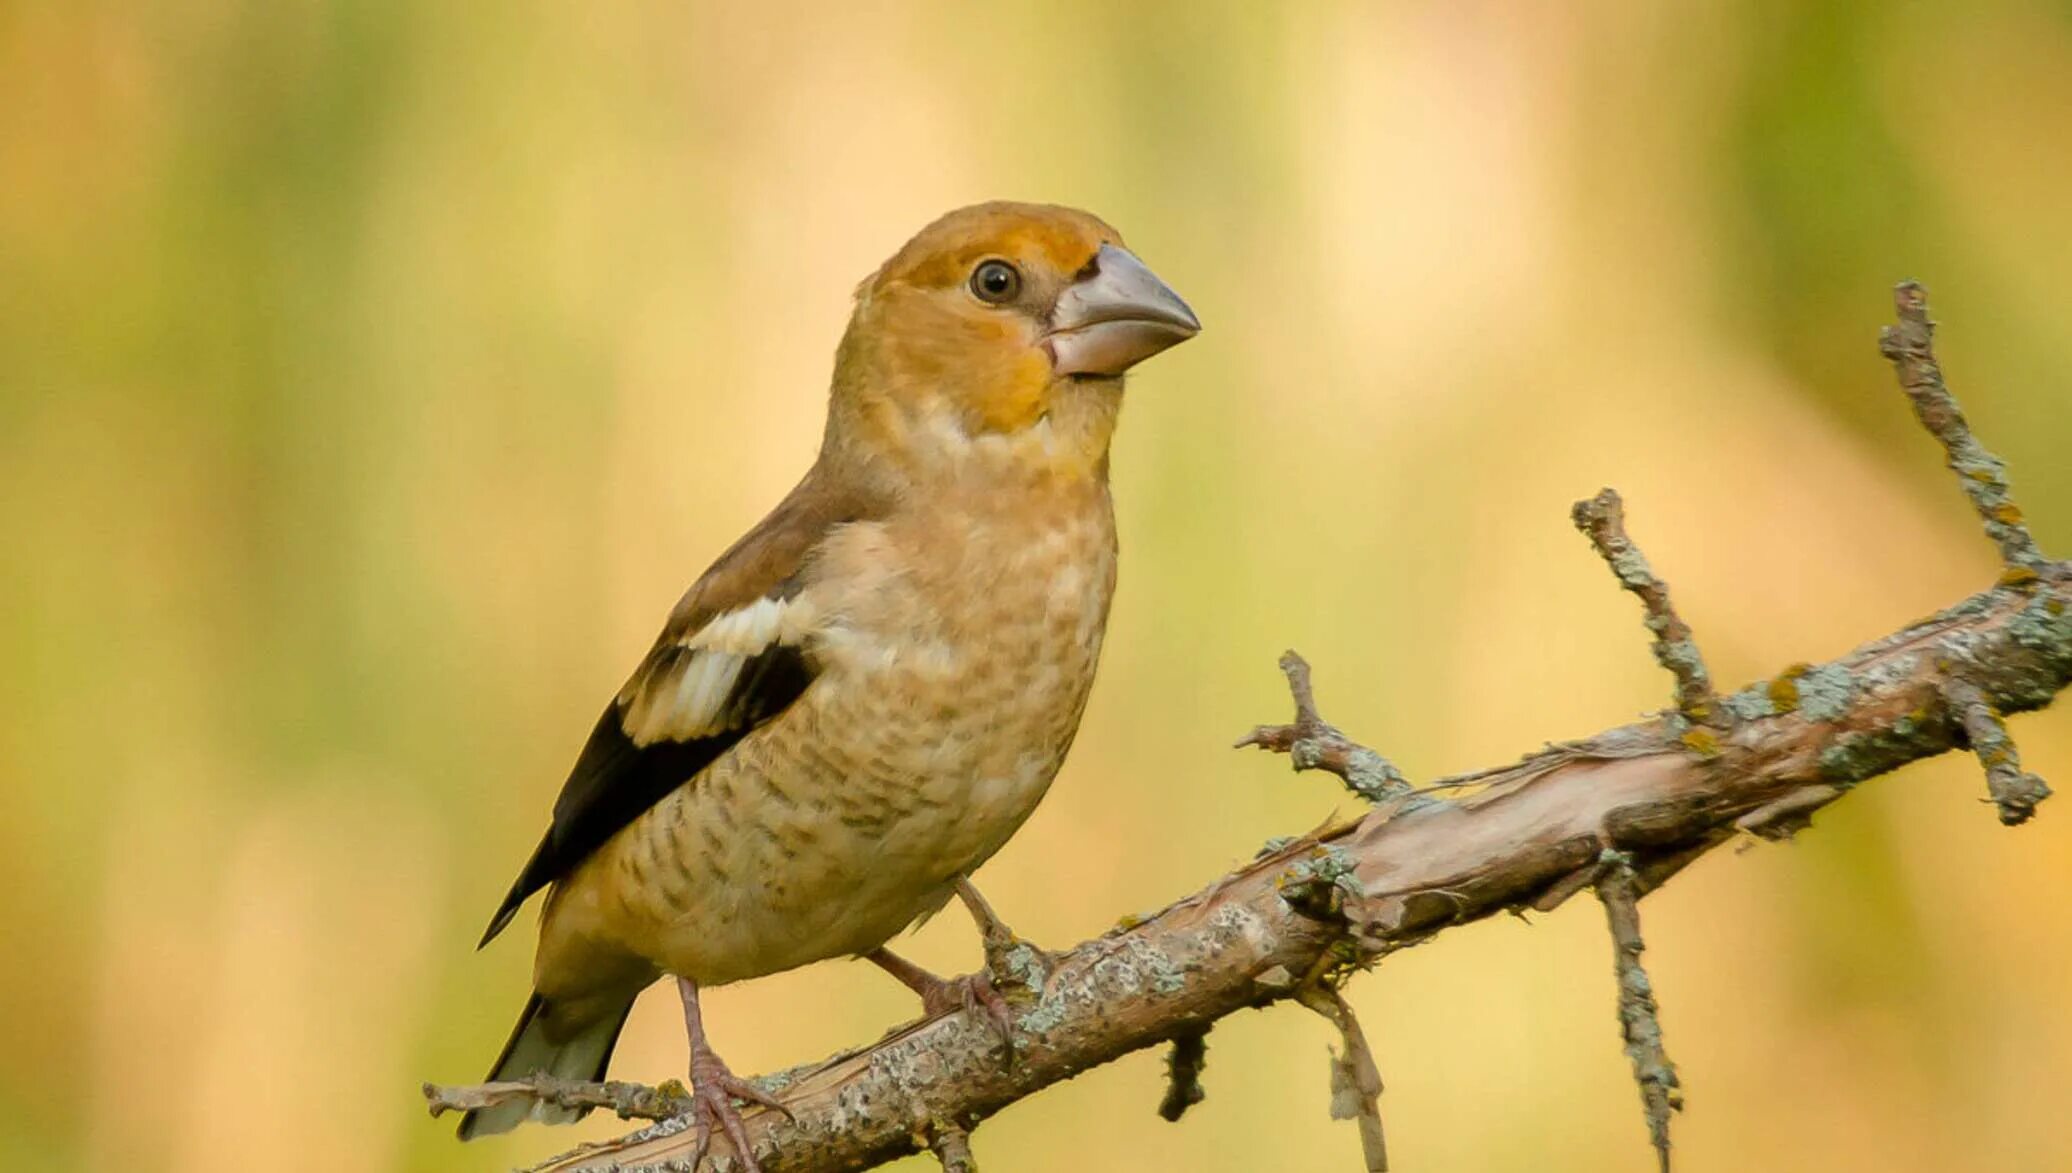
[{"x": 582, "y": 1055}]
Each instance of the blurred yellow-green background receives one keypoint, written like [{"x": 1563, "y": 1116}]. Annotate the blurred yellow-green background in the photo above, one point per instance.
[{"x": 376, "y": 374}]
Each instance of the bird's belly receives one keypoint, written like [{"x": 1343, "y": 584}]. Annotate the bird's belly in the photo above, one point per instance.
[{"x": 828, "y": 831}]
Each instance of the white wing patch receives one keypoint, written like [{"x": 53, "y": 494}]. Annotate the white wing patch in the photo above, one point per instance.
[
  {"x": 688, "y": 699},
  {"x": 748, "y": 631}
]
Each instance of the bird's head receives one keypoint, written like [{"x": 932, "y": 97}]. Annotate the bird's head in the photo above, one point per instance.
[{"x": 1004, "y": 328}]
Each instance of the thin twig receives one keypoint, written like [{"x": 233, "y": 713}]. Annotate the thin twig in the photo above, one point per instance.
[
  {"x": 632, "y": 1101},
  {"x": 1911, "y": 346},
  {"x": 1603, "y": 520},
  {"x": 1313, "y": 743},
  {"x": 2014, "y": 792},
  {"x": 1660, "y": 1093},
  {"x": 1355, "y": 1077},
  {"x": 1189, "y": 1054}
]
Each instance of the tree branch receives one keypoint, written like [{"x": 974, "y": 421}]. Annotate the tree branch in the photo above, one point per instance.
[{"x": 1621, "y": 811}]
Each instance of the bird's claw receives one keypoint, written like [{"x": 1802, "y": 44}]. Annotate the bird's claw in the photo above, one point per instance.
[
  {"x": 713, "y": 1092},
  {"x": 974, "y": 993},
  {"x": 982, "y": 996}
]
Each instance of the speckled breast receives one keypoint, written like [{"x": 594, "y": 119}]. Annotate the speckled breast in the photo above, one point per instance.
[{"x": 953, "y": 671}]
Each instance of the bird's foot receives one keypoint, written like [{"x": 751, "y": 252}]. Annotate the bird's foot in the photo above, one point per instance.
[
  {"x": 973, "y": 992},
  {"x": 713, "y": 1091},
  {"x": 978, "y": 993}
]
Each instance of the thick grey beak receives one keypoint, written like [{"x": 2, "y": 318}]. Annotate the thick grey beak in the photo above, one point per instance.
[{"x": 1107, "y": 323}]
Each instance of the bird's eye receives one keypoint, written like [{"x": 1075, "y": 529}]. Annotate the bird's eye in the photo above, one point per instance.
[{"x": 996, "y": 282}]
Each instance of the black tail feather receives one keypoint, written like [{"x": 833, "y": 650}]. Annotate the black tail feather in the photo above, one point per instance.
[{"x": 585, "y": 1055}]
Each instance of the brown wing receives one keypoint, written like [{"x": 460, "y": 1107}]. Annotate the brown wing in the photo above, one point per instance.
[{"x": 729, "y": 659}]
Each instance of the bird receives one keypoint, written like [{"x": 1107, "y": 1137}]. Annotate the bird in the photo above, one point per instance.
[{"x": 869, "y": 692}]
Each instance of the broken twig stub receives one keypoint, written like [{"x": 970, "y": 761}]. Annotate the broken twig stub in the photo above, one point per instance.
[
  {"x": 1189, "y": 1054},
  {"x": 2014, "y": 792},
  {"x": 952, "y": 1146}
]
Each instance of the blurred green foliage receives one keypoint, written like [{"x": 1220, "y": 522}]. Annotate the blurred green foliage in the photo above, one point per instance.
[{"x": 374, "y": 375}]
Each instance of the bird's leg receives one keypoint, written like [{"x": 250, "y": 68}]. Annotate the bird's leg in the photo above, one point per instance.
[
  {"x": 990, "y": 926},
  {"x": 714, "y": 1089},
  {"x": 945, "y": 995},
  {"x": 999, "y": 940},
  {"x": 938, "y": 995}
]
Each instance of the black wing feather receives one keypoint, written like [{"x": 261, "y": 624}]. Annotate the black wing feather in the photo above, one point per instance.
[{"x": 614, "y": 780}]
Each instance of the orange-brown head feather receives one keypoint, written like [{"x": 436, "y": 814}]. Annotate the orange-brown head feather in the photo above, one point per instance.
[
  {"x": 954, "y": 339},
  {"x": 1048, "y": 237}
]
